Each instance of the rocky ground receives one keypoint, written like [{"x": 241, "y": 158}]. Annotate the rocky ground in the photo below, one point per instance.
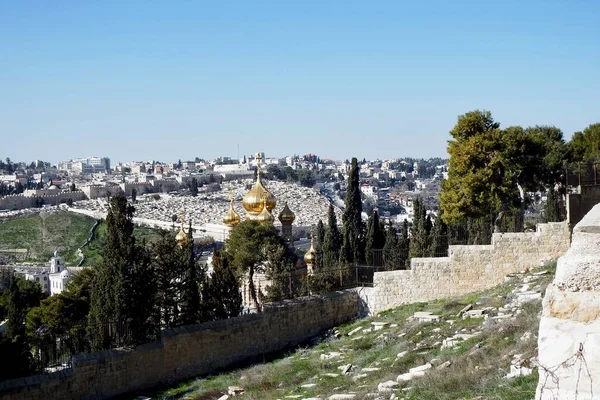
[
  {"x": 481, "y": 346},
  {"x": 210, "y": 207}
]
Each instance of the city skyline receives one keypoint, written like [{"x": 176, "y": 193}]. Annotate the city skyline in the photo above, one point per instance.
[{"x": 140, "y": 81}]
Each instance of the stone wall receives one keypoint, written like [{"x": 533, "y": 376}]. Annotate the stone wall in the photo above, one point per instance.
[
  {"x": 188, "y": 351},
  {"x": 466, "y": 269},
  {"x": 569, "y": 336},
  {"x": 19, "y": 201},
  {"x": 579, "y": 204}
]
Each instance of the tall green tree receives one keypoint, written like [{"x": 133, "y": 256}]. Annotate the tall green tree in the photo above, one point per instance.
[
  {"x": 439, "y": 239},
  {"x": 375, "y": 238},
  {"x": 419, "y": 234},
  {"x": 169, "y": 263},
  {"x": 585, "y": 145},
  {"x": 221, "y": 295},
  {"x": 122, "y": 309},
  {"x": 392, "y": 250},
  {"x": 354, "y": 230},
  {"x": 194, "y": 187},
  {"x": 404, "y": 245},
  {"x": 191, "y": 308},
  {"x": 247, "y": 247},
  {"x": 281, "y": 264},
  {"x": 332, "y": 242},
  {"x": 319, "y": 244},
  {"x": 551, "y": 206}
]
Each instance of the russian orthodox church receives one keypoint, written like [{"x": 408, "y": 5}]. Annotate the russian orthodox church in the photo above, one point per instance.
[{"x": 259, "y": 204}]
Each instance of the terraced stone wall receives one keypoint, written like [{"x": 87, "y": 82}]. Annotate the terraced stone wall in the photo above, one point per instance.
[
  {"x": 188, "y": 351},
  {"x": 466, "y": 269}
]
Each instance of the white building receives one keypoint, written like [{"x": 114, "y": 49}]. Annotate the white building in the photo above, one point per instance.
[
  {"x": 59, "y": 275},
  {"x": 41, "y": 277}
]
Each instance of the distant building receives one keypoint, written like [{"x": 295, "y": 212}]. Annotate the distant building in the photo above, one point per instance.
[
  {"x": 59, "y": 275},
  {"x": 41, "y": 277},
  {"x": 84, "y": 166}
]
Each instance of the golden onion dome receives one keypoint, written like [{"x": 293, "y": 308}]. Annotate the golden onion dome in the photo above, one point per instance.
[
  {"x": 264, "y": 215},
  {"x": 286, "y": 216},
  {"x": 181, "y": 237},
  {"x": 309, "y": 257},
  {"x": 257, "y": 197},
  {"x": 232, "y": 218}
]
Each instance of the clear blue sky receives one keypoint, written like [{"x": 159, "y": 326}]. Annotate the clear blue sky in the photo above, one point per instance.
[{"x": 140, "y": 80}]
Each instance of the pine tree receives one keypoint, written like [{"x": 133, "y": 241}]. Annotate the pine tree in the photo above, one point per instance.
[
  {"x": 280, "y": 267},
  {"x": 353, "y": 239},
  {"x": 221, "y": 295},
  {"x": 122, "y": 307},
  {"x": 190, "y": 293}
]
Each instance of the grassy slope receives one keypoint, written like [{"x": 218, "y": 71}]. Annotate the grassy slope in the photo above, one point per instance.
[
  {"x": 93, "y": 251},
  {"x": 477, "y": 371},
  {"x": 43, "y": 233}
]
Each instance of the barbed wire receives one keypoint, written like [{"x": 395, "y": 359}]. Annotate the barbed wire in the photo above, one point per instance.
[{"x": 550, "y": 373}]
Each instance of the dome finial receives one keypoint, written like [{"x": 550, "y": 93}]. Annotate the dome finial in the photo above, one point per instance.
[
  {"x": 309, "y": 257},
  {"x": 232, "y": 218},
  {"x": 181, "y": 237}
]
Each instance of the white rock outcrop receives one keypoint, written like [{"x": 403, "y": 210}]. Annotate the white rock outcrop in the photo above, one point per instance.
[{"x": 569, "y": 336}]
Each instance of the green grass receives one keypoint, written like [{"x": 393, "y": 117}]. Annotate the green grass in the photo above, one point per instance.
[
  {"x": 43, "y": 233},
  {"x": 93, "y": 251},
  {"x": 477, "y": 370}
]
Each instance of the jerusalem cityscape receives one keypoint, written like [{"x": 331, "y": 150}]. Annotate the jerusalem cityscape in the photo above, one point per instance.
[{"x": 314, "y": 201}]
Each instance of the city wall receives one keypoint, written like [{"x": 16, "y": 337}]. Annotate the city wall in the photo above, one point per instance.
[
  {"x": 188, "y": 351},
  {"x": 19, "y": 201},
  {"x": 467, "y": 269}
]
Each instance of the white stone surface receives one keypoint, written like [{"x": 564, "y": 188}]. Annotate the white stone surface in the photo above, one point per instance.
[{"x": 569, "y": 334}]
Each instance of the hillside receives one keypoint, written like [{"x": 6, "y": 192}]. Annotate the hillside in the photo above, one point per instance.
[
  {"x": 43, "y": 233},
  {"x": 450, "y": 349},
  {"x": 40, "y": 234}
]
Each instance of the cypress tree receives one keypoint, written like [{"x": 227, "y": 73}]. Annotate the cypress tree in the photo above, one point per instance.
[
  {"x": 391, "y": 249},
  {"x": 375, "y": 239},
  {"x": 221, "y": 295},
  {"x": 404, "y": 246},
  {"x": 551, "y": 206},
  {"x": 15, "y": 326},
  {"x": 419, "y": 235},
  {"x": 439, "y": 239},
  {"x": 122, "y": 303},
  {"x": 190, "y": 293},
  {"x": 332, "y": 243},
  {"x": 353, "y": 239}
]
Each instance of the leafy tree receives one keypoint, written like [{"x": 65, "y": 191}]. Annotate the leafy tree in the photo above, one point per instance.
[
  {"x": 191, "y": 311},
  {"x": 221, "y": 295},
  {"x": 73, "y": 188},
  {"x": 13, "y": 343},
  {"x": 306, "y": 178},
  {"x": 353, "y": 239},
  {"x": 375, "y": 238},
  {"x": 585, "y": 146},
  {"x": 473, "y": 177},
  {"x": 247, "y": 247},
  {"x": 124, "y": 291},
  {"x": 194, "y": 187}
]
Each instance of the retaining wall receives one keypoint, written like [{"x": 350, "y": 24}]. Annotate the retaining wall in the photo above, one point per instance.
[
  {"x": 188, "y": 351},
  {"x": 466, "y": 269}
]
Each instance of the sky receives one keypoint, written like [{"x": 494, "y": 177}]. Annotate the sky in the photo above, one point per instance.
[{"x": 168, "y": 80}]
